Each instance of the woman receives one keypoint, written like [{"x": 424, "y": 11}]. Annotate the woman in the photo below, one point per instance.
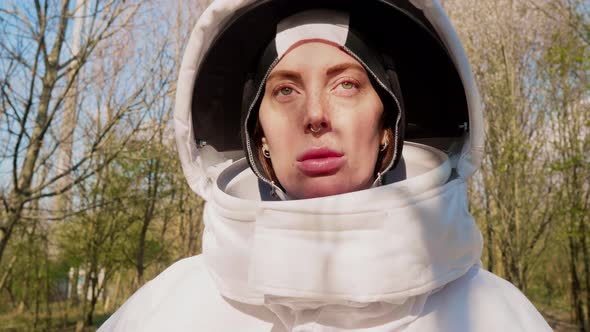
[{"x": 326, "y": 225}]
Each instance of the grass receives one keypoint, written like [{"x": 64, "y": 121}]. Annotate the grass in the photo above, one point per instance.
[{"x": 25, "y": 322}]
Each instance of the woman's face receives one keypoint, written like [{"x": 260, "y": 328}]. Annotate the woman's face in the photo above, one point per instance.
[{"x": 321, "y": 120}]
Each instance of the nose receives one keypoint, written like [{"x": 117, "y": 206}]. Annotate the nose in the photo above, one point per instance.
[{"x": 317, "y": 119}]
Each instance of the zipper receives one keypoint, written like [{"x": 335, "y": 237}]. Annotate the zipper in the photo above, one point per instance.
[{"x": 248, "y": 145}]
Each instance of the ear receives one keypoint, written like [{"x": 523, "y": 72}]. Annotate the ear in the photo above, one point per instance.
[{"x": 264, "y": 141}]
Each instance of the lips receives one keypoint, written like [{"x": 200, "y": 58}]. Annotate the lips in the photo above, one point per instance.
[{"x": 320, "y": 162}]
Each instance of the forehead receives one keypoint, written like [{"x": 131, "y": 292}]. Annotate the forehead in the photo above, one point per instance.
[{"x": 316, "y": 55}]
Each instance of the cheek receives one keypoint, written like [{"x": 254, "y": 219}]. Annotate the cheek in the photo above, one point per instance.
[
  {"x": 272, "y": 122},
  {"x": 280, "y": 135},
  {"x": 361, "y": 136},
  {"x": 276, "y": 118},
  {"x": 361, "y": 133},
  {"x": 363, "y": 147}
]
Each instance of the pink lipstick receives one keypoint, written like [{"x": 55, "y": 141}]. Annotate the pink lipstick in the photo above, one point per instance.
[{"x": 320, "y": 162}]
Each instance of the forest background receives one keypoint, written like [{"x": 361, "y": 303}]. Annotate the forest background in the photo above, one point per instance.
[{"x": 94, "y": 203}]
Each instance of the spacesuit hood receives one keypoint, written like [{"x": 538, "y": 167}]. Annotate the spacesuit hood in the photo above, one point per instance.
[
  {"x": 443, "y": 107},
  {"x": 367, "y": 256}
]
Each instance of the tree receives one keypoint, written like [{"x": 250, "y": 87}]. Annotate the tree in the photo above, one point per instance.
[
  {"x": 502, "y": 40},
  {"x": 39, "y": 74},
  {"x": 531, "y": 59},
  {"x": 567, "y": 77}
]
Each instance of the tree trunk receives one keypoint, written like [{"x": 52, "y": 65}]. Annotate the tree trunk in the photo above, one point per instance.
[
  {"x": 489, "y": 234},
  {"x": 48, "y": 319},
  {"x": 7, "y": 273},
  {"x": 64, "y": 161},
  {"x": 139, "y": 265},
  {"x": 577, "y": 305},
  {"x": 153, "y": 187},
  {"x": 25, "y": 178},
  {"x": 12, "y": 218},
  {"x": 74, "y": 298},
  {"x": 81, "y": 323},
  {"x": 93, "y": 295},
  {"x": 586, "y": 265}
]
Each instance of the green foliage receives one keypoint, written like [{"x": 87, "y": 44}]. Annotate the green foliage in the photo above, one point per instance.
[
  {"x": 532, "y": 63},
  {"x": 531, "y": 60}
]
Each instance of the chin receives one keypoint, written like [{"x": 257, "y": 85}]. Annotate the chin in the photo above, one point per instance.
[{"x": 324, "y": 186}]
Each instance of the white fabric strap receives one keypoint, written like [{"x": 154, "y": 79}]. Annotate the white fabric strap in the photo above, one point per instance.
[{"x": 313, "y": 24}]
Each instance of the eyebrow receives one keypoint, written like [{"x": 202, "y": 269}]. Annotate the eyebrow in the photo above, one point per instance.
[
  {"x": 331, "y": 71},
  {"x": 341, "y": 67},
  {"x": 284, "y": 74}
]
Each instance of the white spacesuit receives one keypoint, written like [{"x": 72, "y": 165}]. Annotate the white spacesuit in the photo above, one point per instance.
[{"x": 403, "y": 255}]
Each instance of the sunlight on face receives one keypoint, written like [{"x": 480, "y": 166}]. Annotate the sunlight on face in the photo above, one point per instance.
[{"x": 321, "y": 120}]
